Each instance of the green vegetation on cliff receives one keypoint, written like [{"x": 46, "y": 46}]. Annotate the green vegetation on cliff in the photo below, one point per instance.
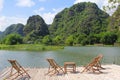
[
  {"x": 114, "y": 23},
  {"x": 82, "y": 21},
  {"x": 35, "y": 28}
]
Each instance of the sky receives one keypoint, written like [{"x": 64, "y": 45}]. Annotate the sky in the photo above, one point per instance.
[{"x": 18, "y": 11}]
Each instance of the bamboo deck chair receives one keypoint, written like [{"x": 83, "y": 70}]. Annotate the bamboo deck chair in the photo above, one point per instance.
[
  {"x": 94, "y": 65},
  {"x": 54, "y": 67},
  {"x": 16, "y": 70}
]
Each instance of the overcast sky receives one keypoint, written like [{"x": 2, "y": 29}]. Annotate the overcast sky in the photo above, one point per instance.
[{"x": 18, "y": 11}]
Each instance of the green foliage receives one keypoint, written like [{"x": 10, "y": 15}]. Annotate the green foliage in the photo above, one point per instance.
[
  {"x": 114, "y": 20},
  {"x": 82, "y": 18},
  {"x": 47, "y": 40},
  {"x": 36, "y": 25},
  {"x": 108, "y": 38},
  {"x": 91, "y": 39},
  {"x": 30, "y": 47},
  {"x": 57, "y": 40},
  {"x": 14, "y": 28},
  {"x": 84, "y": 42},
  {"x": 79, "y": 38},
  {"x": 69, "y": 40},
  {"x": 114, "y": 23},
  {"x": 118, "y": 34},
  {"x": 12, "y": 39},
  {"x": 32, "y": 37},
  {"x": 83, "y": 23},
  {"x": 35, "y": 28}
]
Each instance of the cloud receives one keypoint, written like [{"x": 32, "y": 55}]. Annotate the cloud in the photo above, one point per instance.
[
  {"x": 25, "y": 3},
  {"x": 48, "y": 16},
  {"x": 1, "y": 4},
  {"x": 98, "y": 2},
  {"x": 7, "y": 21},
  {"x": 39, "y": 10}
]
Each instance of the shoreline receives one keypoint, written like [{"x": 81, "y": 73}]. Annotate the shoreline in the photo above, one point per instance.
[
  {"x": 40, "y": 47},
  {"x": 30, "y": 47},
  {"x": 111, "y": 72}
]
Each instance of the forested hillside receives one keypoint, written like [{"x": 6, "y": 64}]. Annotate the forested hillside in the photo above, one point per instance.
[
  {"x": 14, "y": 28},
  {"x": 114, "y": 23},
  {"x": 82, "y": 18},
  {"x": 81, "y": 24}
]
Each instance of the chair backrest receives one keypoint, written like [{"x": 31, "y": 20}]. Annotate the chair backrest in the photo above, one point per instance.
[
  {"x": 94, "y": 63},
  {"x": 96, "y": 59},
  {"x": 15, "y": 65},
  {"x": 99, "y": 57},
  {"x": 52, "y": 63}
]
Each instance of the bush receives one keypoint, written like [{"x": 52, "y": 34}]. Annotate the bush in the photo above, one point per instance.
[
  {"x": 69, "y": 41},
  {"x": 47, "y": 40},
  {"x": 13, "y": 39},
  {"x": 109, "y": 38}
]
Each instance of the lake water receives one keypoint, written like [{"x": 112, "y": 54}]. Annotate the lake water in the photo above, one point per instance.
[{"x": 80, "y": 55}]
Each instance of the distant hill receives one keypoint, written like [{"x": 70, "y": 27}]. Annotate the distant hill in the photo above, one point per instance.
[
  {"x": 0, "y": 32},
  {"x": 82, "y": 18},
  {"x": 81, "y": 24},
  {"x": 35, "y": 28},
  {"x": 14, "y": 28},
  {"x": 0, "y": 35}
]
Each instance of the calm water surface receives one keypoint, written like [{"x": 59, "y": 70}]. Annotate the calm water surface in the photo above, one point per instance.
[{"x": 80, "y": 55}]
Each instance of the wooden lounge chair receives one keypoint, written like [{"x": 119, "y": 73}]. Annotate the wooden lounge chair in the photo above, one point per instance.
[
  {"x": 54, "y": 67},
  {"x": 16, "y": 70},
  {"x": 94, "y": 65}
]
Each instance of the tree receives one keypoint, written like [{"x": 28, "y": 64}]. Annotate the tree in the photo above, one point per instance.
[
  {"x": 13, "y": 39},
  {"x": 57, "y": 40},
  {"x": 91, "y": 39},
  {"x": 69, "y": 41},
  {"x": 118, "y": 40},
  {"x": 84, "y": 42},
  {"x": 108, "y": 38},
  {"x": 47, "y": 40},
  {"x": 78, "y": 38}
]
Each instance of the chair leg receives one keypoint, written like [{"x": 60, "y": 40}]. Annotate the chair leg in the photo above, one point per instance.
[
  {"x": 62, "y": 70},
  {"x": 26, "y": 73},
  {"x": 49, "y": 72},
  {"x": 11, "y": 71}
]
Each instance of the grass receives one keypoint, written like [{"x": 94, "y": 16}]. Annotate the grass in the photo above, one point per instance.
[
  {"x": 30, "y": 47},
  {"x": 36, "y": 47}
]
